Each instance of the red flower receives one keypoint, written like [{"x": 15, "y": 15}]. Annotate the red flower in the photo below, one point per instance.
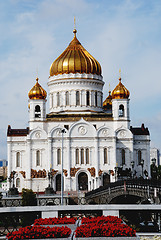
[
  {"x": 54, "y": 221},
  {"x": 38, "y": 232}
]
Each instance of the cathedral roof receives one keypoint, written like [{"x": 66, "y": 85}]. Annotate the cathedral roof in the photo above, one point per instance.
[
  {"x": 120, "y": 91},
  {"x": 108, "y": 101},
  {"x": 37, "y": 92},
  {"x": 17, "y": 132},
  {"x": 140, "y": 130},
  {"x": 75, "y": 59}
]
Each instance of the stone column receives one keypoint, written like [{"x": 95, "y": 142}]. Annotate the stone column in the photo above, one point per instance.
[
  {"x": 97, "y": 153},
  {"x": 29, "y": 164},
  {"x": 67, "y": 165},
  {"x": 50, "y": 160}
]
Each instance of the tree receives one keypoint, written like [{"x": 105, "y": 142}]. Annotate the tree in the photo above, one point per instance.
[
  {"x": 154, "y": 171},
  {"x": 28, "y": 197}
]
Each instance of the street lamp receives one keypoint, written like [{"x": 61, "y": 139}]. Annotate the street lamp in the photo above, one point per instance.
[
  {"x": 132, "y": 165},
  {"x": 142, "y": 165},
  {"x": 62, "y": 180},
  {"x": 116, "y": 171}
]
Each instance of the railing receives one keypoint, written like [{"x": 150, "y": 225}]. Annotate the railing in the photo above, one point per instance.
[
  {"x": 136, "y": 184},
  {"x": 10, "y": 221},
  {"x": 45, "y": 200}
]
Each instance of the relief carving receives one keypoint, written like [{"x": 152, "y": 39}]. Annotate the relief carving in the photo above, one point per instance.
[
  {"x": 53, "y": 172},
  {"x": 65, "y": 172},
  {"x": 38, "y": 174},
  {"x": 82, "y": 130},
  {"x": 100, "y": 172},
  {"x": 92, "y": 171},
  {"x": 23, "y": 174},
  {"x": 73, "y": 171},
  {"x": 112, "y": 172},
  {"x": 38, "y": 134}
]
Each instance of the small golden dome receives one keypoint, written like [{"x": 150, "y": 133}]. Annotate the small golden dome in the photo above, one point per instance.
[
  {"x": 120, "y": 91},
  {"x": 37, "y": 92},
  {"x": 108, "y": 102},
  {"x": 75, "y": 59}
]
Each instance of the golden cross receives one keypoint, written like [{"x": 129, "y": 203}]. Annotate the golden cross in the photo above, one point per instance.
[
  {"x": 74, "y": 22},
  {"x": 120, "y": 73}
]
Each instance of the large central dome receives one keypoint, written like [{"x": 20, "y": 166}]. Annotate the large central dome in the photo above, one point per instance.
[{"x": 75, "y": 59}]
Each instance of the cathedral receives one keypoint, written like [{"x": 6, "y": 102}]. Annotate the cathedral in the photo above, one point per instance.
[{"x": 87, "y": 140}]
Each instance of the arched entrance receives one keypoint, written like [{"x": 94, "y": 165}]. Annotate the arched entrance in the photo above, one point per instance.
[
  {"x": 82, "y": 181},
  {"x": 106, "y": 179},
  {"x": 58, "y": 182}
]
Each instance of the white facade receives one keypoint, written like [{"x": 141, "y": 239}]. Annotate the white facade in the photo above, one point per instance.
[
  {"x": 96, "y": 143},
  {"x": 155, "y": 154}
]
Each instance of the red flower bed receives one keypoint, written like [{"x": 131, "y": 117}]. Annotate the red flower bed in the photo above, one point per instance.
[
  {"x": 102, "y": 219},
  {"x": 38, "y": 232},
  {"x": 105, "y": 230},
  {"x": 51, "y": 221}
]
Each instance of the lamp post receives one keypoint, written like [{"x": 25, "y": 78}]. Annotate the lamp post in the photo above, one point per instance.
[
  {"x": 132, "y": 165},
  {"x": 49, "y": 190},
  {"x": 62, "y": 180},
  {"x": 116, "y": 171},
  {"x": 142, "y": 165},
  {"x": 12, "y": 189}
]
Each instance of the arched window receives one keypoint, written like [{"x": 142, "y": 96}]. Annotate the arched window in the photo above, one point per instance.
[
  {"x": 96, "y": 99},
  {"x": 87, "y": 98},
  {"x": 77, "y": 98},
  {"x": 18, "y": 159},
  {"x": 58, "y": 156},
  {"x": 139, "y": 157},
  {"x": 37, "y": 111},
  {"x": 38, "y": 158},
  {"x": 105, "y": 155},
  {"x": 17, "y": 182},
  {"x": 123, "y": 156},
  {"x": 58, "y": 99},
  {"x": 121, "y": 110},
  {"x": 87, "y": 155},
  {"x": 67, "y": 98},
  {"x": 77, "y": 156},
  {"x": 82, "y": 156},
  {"x": 58, "y": 182}
]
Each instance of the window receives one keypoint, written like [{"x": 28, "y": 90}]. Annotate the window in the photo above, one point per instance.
[
  {"x": 66, "y": 126},
  {"x": 58, "y": 99},
  {"x": 17, "y": 182},
  {"x": 77, "y": 156},
  {"x": 37, "y": 111},
  {"x": 87, "y": 156},
  {"x": 139, "y": 157},
  {"x": 18, "y": 159},
  {"x": 105, "y": 155},
  {"x": 67, "y": 98},
  {"x": 96, "y": 99},
  {"x": 38, "y": 158},
  {"x": 121, "y": 111},
  {"x": 87, "y": 98},
  {"x": 123, "y": 156},
  {"x": 77, "y": 98},
  {"x": 58, "y": 156},
  {"x": 82, "y": 156}
]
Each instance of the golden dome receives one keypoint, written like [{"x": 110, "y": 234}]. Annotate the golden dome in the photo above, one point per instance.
[
  {"x": 108, "y": 102},
  {"x": 120, "y": 91},
  {"x": 37, "y": 92},
  {"x": 75, "y": 59}
]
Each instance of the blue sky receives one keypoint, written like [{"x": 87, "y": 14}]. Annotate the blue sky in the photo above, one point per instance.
[{"x": 120, "y": 34}]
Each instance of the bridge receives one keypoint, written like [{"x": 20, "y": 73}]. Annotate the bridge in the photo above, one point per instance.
[{"x": 129, "y": 191}]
